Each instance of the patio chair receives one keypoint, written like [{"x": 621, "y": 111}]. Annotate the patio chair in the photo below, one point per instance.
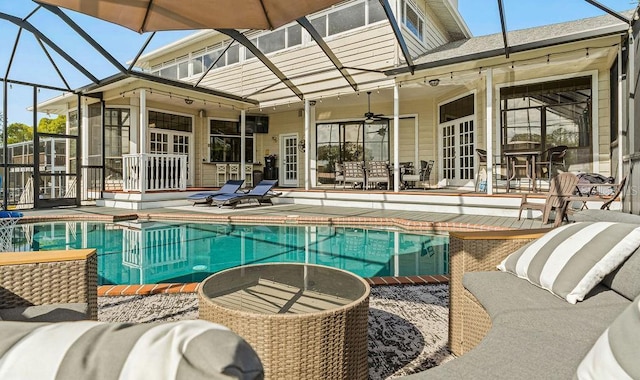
[
  {"x": 606, "y": 193},
  {"x": 619, "y": 187},
  {"x": 261, "y": 193},
  {"x": 339, "y": 174},
  {"x": 425, "y": 172},
  {"x": 561, "y": 189},
  {"x": 230, "y": 187},
  {"x": 550, "y": 158},
  {"x": 422, "y": 176},
  {"x": 353, "y": 173},
  {"x": 377, "y": 174}
]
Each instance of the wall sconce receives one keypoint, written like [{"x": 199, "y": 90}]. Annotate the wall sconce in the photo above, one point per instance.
[
  {"x": 434, "y": 82},
  {"x": 188, "y": 101},
  {"x": 274, "y": 138},
  {"x": 301, "y": 144}
]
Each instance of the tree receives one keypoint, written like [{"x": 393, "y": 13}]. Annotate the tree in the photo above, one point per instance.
[
  {"x": 57, "y": 126},
  {"x": 18, "y": 132}
]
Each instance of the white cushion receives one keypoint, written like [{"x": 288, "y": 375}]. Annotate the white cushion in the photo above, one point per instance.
[{"x": 571, "y": 260}]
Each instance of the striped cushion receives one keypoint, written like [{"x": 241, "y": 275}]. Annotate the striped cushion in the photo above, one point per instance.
[
  {"x": 615, "y": 354},
  {"x": 571, "y": 260},
  {"x": 192, "y": 349}
]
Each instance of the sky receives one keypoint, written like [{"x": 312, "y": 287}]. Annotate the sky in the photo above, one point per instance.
[{"x": 30, "y": 64}]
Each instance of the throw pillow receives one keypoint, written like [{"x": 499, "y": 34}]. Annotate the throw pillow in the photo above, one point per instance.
[
  {"x": 615, "y": 354},
  {"x": 571, "y": 260}
]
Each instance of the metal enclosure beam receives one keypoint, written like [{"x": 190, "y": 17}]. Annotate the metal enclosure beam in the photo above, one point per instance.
[
  {"x": 241, "y": 38},
  {"x": 63, "y": 16},
  {"x": 28, "y": 26},
  {"x": 503, "y": 24},
  {"x": 142, "y": 49},
  {"x": 609, "y": 11},
  {"x": 213, "y": 63},
  {"x": 304, "y": 22}
]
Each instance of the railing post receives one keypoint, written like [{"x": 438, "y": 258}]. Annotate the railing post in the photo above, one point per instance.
[
  {"x": 126, "y": 177},
  {"x": 183, "y": 172},
  {"x": 143, "y": 170}
]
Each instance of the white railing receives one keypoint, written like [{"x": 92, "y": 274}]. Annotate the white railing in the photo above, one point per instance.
[{"x": 154, "y": 172}]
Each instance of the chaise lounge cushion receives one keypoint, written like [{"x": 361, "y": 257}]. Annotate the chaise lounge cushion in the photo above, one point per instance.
[
  {"x": 605, "y": 216},
  {"x": 571, "y": 260},
  {"x": 95, "y": 350},
  {"x": 502, "y": 293},
  {"x": 534, "y": 334}
]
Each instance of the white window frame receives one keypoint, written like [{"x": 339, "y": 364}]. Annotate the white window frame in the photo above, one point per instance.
[{"x": 407, "y": 4}]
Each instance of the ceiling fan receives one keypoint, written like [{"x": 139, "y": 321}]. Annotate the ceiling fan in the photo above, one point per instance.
[{"x": 370, "y": 117}]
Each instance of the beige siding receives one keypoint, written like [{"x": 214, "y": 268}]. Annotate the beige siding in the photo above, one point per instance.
[{"x": 308, "y": 67}]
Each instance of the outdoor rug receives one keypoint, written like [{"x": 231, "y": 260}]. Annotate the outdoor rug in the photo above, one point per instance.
[{"x": 408, "y": 325}]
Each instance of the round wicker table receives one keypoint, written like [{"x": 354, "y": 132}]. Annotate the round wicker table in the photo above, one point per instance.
[{"x": 304, "y": 321}]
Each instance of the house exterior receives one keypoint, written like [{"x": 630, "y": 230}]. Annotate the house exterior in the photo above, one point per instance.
[{"x": 434, "y": 92}]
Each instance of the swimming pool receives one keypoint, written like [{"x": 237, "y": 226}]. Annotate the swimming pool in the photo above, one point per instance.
[{"x": 159, "y": 252}]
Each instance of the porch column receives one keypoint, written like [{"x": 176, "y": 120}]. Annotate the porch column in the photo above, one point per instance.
[
  {"x": 83, "y": 124},
  {"x": 134, "y": 133},
  {"x": 396, "y": 134},
  {"x": 307, "y": 128},
  {"x": 243, "y": 144},
  {"x": 489, "y": 128},
  {"x": 144, "y": 124}
]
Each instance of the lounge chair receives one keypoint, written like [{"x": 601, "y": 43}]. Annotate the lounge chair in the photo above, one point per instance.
[
  {"x": 262, "y": 193},
  {"x": 230, "y": 187},
  {"x": 561, "y": 189}
]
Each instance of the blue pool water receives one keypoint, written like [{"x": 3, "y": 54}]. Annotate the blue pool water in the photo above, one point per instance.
[{"x": 156, "y": 252}]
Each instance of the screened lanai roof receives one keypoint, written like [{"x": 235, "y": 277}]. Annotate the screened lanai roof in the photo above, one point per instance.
[
  {"x": 28, "y": 24},
  {"x": 474, "y": 48},
  {"x": 35, "y": 24}
]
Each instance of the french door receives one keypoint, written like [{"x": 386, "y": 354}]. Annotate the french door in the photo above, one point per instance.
[
  {"x": 458, "y": 151},
  {"x": 289, "y": 162},
  {"x": 170, "y": 142}
]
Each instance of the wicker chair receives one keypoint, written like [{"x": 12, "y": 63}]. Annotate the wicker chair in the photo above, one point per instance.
[
  {"x": 378, "y": 174},
  {"x": 49, "y": 277},
  {"x": 561, "y": 189},
  {"x": 353, "y": 173}
]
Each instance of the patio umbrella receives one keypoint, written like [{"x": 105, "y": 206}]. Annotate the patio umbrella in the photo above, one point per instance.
[{"x": 155, "y": 15}]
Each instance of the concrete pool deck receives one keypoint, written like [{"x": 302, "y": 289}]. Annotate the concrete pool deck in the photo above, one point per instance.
[{"x": 286, "y": 214}]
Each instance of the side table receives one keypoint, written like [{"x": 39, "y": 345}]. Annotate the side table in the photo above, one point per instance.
[{"x": 305, "y": 321}]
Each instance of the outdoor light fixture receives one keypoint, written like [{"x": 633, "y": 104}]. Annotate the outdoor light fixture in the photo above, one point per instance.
[
  {"x": 188, "y": 101},
  {"x": 434, "y": 82}
]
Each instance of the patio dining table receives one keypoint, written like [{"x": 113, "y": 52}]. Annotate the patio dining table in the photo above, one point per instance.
[{"x": 530, "y": 156}]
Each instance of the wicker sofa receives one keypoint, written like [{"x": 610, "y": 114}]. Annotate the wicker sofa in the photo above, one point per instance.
[
  {"x": 503, "y": 327},
  {"x": 48, "y": 308}
]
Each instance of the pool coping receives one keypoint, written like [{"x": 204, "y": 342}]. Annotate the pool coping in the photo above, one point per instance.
[{"x": 172, "y": 288}]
